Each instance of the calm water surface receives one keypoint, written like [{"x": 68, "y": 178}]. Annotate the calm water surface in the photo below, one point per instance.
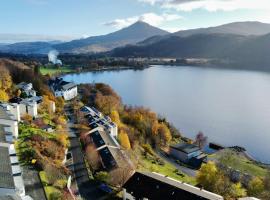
[{"x": 230, "y": 107}]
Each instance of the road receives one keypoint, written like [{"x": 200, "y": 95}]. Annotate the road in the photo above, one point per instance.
[
  {"x": 87, "y": 188},
  {"x": 185, "y": 170}
]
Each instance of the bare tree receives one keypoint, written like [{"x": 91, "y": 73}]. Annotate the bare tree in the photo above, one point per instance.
[{"x": 201, "y": 140}]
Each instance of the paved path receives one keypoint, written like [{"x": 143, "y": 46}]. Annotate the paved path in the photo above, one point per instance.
[
  {"x": 33, "y": 186},
  {"x": 88, "y": 188}
]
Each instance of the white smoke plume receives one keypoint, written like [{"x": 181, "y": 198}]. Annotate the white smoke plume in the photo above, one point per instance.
[{"x": 53, "y": 57}]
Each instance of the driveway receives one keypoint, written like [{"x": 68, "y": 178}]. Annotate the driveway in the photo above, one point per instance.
[
  {"x": 33, "y": 185},
  {"x": 87, "y": 188},
  {"x": 185, "y": 170}
]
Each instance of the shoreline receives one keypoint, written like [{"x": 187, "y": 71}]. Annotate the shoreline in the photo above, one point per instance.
[{"x": 244, "y": 151}]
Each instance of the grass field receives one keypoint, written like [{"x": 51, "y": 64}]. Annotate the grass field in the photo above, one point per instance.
[
  {"x": 239, "y": 162},
  {"x": 51, "y": 70},
  {"x": 148, "y": 164},
  {"x": 50, "y": 191}
]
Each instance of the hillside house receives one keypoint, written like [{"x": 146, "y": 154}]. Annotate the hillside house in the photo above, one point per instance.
[
  {"x": 64, "y": 89},
  {"x": 188, "y": 153}
]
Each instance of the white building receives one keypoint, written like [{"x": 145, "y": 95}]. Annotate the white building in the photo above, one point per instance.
[
  {"x": 27, "y": 88},
  {"x": 8, "y": 119},
  {"x": 11, "y": 182},
  {"x": 96, "y": 118},
  {"x": 64, "y": 89}
]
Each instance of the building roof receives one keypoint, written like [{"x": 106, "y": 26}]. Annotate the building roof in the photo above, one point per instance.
[
  {"x": 107, "y": 158},
  {"x": 6, "y": 178},
  {"x": 4, "y": 113},
  {"x": 155, "y": 186},
  {"x": 186, "y": 148},
  {"x": 101, "y": 138},
  {"x": 59, "y": 84}
]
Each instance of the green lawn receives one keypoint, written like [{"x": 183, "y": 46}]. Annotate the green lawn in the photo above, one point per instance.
[
  {"x": 50, "y": 191},
  {"x": 51, "y": 70},
  {"x": 147, "y": 164},
  {"x": 239, "y": 162}
]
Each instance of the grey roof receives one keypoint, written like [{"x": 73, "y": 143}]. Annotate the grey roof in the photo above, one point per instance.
[
  {"x": 6, "y": 178},
  {"x": 68, "y": 86},
  {"x": 4, "y": 114},
  {"x": 185, "y": 147}
]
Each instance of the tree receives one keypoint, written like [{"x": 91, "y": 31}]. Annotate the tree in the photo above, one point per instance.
[
  {"x": 124, "y": 140},
  {"x": 164, "y": 133},
  {"x": 255, "y": 187},
  {"x": 93, "y": 157},
  {"x": 37, "y": 69},
  {"x": 115, "y": 117},
  {"x": 3, "y": 96},
  {"x": 102, "y": 176},
  {"x": 5, "y": 79},
  {"x": 237, "y": 191},
  {"x": 201, "y": 140},
  {"x": 207, "y": 176}
]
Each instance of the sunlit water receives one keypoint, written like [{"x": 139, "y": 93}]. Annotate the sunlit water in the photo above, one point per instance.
[{"x": 231, "y": 107}]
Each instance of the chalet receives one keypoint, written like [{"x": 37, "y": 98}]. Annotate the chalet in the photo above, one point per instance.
[
  {"x": 188, "y": 153},
  {"x": 64, "y": 89},
  {"x": 154, "y": 186}
]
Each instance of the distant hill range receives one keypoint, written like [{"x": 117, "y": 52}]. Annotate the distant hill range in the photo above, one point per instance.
[
  {"x": 131, "y": 35},
  {"x": 240, "y": 43}
]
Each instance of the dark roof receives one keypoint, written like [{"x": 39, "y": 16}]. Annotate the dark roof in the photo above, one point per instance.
[
  {"x": 97, "y": 139},
  {"x": 93, "y": 125},
  {"x": 6, "y": 178},
  {"x": 59, "y": 84},
  {"x": 186, "y": 148},
  {"x": 156, "y": 187},
  {"x": 107, "y": 158}
]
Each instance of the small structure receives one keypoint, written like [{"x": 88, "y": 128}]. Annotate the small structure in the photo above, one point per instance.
[
  {"x": 188, "y": 153},
  {"x": 154, "y": 186},
  {"x": 27, "y": 88},
  {"x": 64, "y": 89}
]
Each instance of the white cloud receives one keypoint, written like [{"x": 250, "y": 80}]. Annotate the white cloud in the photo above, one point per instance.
[
  {"x": 211, "y": 5},
  {"x": 150, "y": 18}
]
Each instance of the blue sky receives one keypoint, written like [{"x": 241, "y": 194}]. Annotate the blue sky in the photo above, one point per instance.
[{"x": 78, "y": 18}]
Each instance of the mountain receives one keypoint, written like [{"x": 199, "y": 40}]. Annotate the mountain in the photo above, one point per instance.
[
  {"x": 28, "y": 48},
  {"x": 199, "y": 45},
  {"x": 237, "y": 28},
  {"x": 130, "y": 35},
  {"x": 237, "y": 51}
]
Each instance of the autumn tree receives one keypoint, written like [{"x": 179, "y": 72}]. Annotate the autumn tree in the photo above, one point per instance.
[
  {"x": 201, "y": 140},
  {"x": 255, "y": 187},
  {"x": 3, "y": 95},
  {"x": 5, "y": 79},
  {"x": 124, "y": 140},
  {"x": 207, "y": 176},
  {"x": 93, "y": 157}
]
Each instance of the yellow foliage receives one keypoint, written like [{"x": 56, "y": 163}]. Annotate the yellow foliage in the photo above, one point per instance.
[
  {"x": 124, "y": 140},
  {"x": 207, "y": 175},
  {"x": 3, "y": 95},
  {"x": 5, "y": 79},
  {"x": 115, "y": 118},
  {"x": 63, "y": 139}
]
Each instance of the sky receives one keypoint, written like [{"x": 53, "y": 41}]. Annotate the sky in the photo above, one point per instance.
[{"x": 26, "y": 20}]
